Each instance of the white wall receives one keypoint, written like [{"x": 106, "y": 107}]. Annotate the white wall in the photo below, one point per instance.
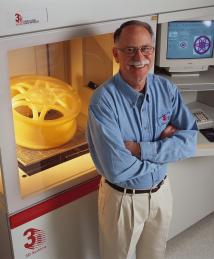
[{"x": 53, "y": 14}]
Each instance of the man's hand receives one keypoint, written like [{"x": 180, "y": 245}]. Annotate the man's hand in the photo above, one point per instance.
[
  {"x": 133, "y": 147},
  {"x": 168, "y": 132}
]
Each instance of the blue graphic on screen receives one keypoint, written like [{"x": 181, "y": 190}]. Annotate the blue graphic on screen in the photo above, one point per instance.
[{"x": 190, "y": 40}]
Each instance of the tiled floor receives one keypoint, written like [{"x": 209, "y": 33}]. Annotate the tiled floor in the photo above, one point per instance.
[{"x": 197, "y": 242}]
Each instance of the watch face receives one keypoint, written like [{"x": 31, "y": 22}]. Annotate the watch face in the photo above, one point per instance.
[{"x": 208, "y": 133}]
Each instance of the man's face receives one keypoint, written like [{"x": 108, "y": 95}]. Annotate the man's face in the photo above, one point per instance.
[{"x": 134, "y": 67}]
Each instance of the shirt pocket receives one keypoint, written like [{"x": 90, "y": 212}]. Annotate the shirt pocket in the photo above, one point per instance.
[{"x": 163, "y": 119}]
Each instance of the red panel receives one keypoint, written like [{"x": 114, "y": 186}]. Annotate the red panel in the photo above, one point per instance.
[{"x": 54, "y": 202}]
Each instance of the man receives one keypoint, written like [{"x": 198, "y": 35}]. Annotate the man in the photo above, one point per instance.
[{"x": 137, "y": 124}]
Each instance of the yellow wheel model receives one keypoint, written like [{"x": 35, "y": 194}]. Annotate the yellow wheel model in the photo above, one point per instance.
[{"x": 44, "y": 110}]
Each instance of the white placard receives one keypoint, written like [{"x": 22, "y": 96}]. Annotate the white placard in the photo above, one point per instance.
[{"x": 27, "y": 17}]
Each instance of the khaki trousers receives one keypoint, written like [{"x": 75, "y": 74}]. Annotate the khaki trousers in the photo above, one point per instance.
[{"x": 133, "y": 225}]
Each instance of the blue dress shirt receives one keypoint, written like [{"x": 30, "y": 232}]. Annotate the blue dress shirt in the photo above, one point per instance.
[{"x": 118, "y": 113}]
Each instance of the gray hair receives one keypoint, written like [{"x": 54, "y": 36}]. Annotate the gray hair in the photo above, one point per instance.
[{"x": 145, "y": 25}]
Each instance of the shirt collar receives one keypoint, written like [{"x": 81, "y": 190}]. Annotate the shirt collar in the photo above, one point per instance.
[{"x": 131, "y": 95}]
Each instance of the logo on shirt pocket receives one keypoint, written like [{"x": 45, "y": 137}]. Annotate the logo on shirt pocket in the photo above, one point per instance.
[{"x": 163, "y": 118}]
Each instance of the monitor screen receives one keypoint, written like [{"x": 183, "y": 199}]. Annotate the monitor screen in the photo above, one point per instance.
[
  {"x": 185, "y": 46},
  {"x": 190, "y": 40}
]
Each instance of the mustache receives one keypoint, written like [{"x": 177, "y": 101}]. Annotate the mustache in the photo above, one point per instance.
[{"x": 139, "y": 63}]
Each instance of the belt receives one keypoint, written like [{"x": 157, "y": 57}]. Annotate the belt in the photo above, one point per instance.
[{"x": 132, "y": 191}]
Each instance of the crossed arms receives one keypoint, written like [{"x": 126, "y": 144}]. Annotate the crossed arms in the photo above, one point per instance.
[{"x": 134, "y": 147}]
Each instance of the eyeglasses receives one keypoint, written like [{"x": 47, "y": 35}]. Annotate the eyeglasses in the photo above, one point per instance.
[{"x": 131, "y": 51}]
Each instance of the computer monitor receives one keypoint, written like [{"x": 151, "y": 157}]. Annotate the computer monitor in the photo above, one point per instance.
[{"x": 185, "y": 46}]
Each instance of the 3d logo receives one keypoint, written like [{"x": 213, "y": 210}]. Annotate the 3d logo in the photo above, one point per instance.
[
  {"x": 18, "y": 18},
  {"x": 36, "y": 238}
]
